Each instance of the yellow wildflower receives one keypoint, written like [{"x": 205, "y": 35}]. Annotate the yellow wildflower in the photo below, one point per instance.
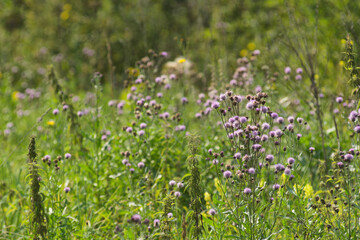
[
  {"x": 207, "y": 197},
  {"x": 262, "y": 182},
  {"x": 341, "y": 63},
  {"x": 66, "y": 12},
  {"x": 309, "y": 191},
  {"x": 283, "y": 178},
  {"x": 65, "y": 15},
  {"x": 251, "y": 46},
  {"x": 218, "y": 187},
  {"x": 243, "y": 53},
  {"x": 14, "y": 95},
  {"x": 182, "y": 60},
  {"x": 343, "y": 41},
  {"x": 51, "y": 123},
  {"x": 67, "y": 7},
  {"x": 316, "y": 76}
]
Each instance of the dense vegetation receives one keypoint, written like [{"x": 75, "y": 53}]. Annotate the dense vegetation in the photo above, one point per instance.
[{"x": 215, "y": 119}]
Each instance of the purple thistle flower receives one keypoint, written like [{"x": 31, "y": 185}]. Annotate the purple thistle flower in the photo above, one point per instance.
[
  {"x": 280, "y": 120},
  {"x": 251, "y": 171},
  {"x": 298, "y": 77},
  {"x": 212, "y": 212},
  {"x": 152, "y": 103},
  {"x": 348, "y": 157},
  {"x": 299, "y": 70},
  {"x": 357, "y": 129},
  {"x": 274, "y": 115},
  {"x": 180, "y": 128},
  {"x": 243, "y": 119},
  {"x": 215, "y": 105},
  {"x": 237, "y": 155},
  {"x": 265, "y": 126},
  {"x": 258, "y": 89},
  {"x": 177, "y": 194},
  {"x": 120, "y": 105},
  {"x": 269, "y": 158},
  {"x": 143, "y": 125},
  {"x": 276, "y": 186},
  {"x": 287, "y": 70},
  {"x": 170, "y": 215},
  {"x": 291, "y": 160},
  {"x": 47, "y": 157},
  {"x": 339, "y": 100},
  {"x": 291, "y": 119},
  {"x": 56, "y": 111},
  {"x": 166, "y": 115},
  {"x": 141, "y": 133},
  {"x": 227, "y": 174},
  {"x": 141, "y": 165},
  {"x": 311, "y": 149},
  {"x": 180, "y": 185},
  {"x": 250, "y": 105},
  {"x": 287, "y": 171},
  {"x": 272, "y": 134},
  {"x": 172, "y": 183},
  {"x": 340, "y": 164},
  {"x": 247, "y": 190},
  {"x": 172, "y": 76},
  {"x": 158, "y": 80},
  {"x": 132, "y": 170},
  {"x": 256, "y": 147},
  {"x": 156, "y": 222},
  {"x": 165, "y": 55},
  {"x": 136, "y": 218},
  {"x": 129, "y": 129},
  {"x": 279, "y": 167},
  {"x": 184, "y": 100},
  {"x": 66, "y": 189},
  {"x": 159, "y": 95},
  {"x": 215, "y": 161},
  {"x": 67, "y": 155},
  {"x": 278, "y": 133},
  {"x": 80, "y": 113},
  {"x": 222, "y": 97},
  {"x": 353, "y": 115},
  {"x": 264, "y": 138}
]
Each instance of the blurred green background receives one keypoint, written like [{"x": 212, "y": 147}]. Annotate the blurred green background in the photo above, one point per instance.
[{"x": 81, "y": 37}]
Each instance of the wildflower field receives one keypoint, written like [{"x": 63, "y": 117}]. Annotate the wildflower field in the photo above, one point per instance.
[{"x": 167, "y": 119}]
